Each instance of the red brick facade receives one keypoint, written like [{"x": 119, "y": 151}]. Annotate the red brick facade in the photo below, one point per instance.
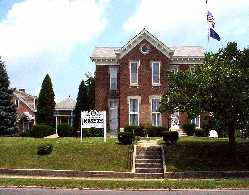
[{"x": 144, "y": 90}]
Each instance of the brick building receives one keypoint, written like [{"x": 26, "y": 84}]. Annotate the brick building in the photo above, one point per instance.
[
  {"x": 26, "y": 106},
  {"x": 131, "y": 79}
]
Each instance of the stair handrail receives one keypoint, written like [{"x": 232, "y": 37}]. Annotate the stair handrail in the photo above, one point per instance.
[
  {"x": 134, "y": 159},
  {"x": 164, "y": 161}
]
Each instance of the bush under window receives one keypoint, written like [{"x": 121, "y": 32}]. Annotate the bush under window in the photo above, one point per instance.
[{"x": 189, "y": 129}]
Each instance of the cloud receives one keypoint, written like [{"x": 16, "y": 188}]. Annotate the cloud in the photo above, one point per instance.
[
  {"x": 40, "y": 36},
  {"x": 185, "y": 21}
]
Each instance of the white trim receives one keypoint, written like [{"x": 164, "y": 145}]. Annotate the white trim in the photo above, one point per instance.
[
  {"x": 157, "y": 112},
  {"x": 174, "y": 68},
  {"x": 115, "y": 72},
  {"x": 138, "y": 64},
  {"x": 138, "y": 98},
  {"x": 144, "y": 34},
  {"x": 187, "y": 60},
  {"x": 194, "y": 121},
  {"x": 153, "y": 83}
]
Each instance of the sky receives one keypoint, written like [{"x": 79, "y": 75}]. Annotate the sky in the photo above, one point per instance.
[{"x": 58, "y": 36}]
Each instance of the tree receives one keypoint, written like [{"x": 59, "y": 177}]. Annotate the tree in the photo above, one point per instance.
[
  {"x": 7, "y": 108},
  {"x": 81, "y": 104},
  {"x": 46, "y": 103},
  {"x": 90, "y": 84},
  {"x": 220, "y": 86}
]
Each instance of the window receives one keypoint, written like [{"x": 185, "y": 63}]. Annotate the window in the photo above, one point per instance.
[
  {"x": 155, "y": 114},
  {"x": 174, "y": 69},
  {"x": 133, "y": 112},
  {"x": 134, "y": 73},
  {"x": 113, "y": 78},
  {"x": 197, "y": 121},
  {"x": 17, "y": 103},
  {"x": 155, "y": 73}
]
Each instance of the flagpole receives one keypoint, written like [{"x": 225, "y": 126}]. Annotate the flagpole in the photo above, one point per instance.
[{"x": 208, "y": 26}]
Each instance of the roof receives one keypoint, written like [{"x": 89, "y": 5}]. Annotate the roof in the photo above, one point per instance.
[
  {"x": 118, "y": 52},
  {"x": 188, "y": 51},
  {"x": 104, "y": 52},
  {"x": 66, "y": 104},
  {"x": 26, "y": 98}
]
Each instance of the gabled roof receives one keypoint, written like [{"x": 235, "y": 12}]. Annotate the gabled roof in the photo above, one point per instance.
[
  {"x": 26, "y": 98},
  {"x": 66, "y": 104},
  {"x": 144, "y": 34},
  {"x": 110, "y": 55}
]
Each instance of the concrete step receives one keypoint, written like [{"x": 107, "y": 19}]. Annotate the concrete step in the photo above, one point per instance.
[
  {"x": 148, "y": 153},
  {"x": 148, "y": 149},
  {"x": 148, "y": 165},
  {"x": 158, "y": 160},
  {"x": 149, "y": 175},
  {"x": 149, "y": 170},
  {"x": 145, "y": 156}
]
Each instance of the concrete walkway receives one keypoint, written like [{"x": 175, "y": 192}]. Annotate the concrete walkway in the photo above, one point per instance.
[{"x": 148, "y": 143}]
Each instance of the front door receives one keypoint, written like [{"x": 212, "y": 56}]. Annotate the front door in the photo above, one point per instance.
[
  {"x": 175, "y": 121},
  {"x": 113, "y": 115}
]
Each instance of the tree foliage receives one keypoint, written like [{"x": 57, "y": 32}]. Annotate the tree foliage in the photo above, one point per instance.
[
  {"x": 219, "y": 86},
  {"x": 7, "y": 108},
  {"x": 46, "y": 102},
  {"x": 85, "y": 98}
]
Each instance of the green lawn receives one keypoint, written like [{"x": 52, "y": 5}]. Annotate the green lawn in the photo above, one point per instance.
[
  {"x": 206, "y": 154},
  {"x": 128, "y": 184},
  {"x": 68, "y": 153}
]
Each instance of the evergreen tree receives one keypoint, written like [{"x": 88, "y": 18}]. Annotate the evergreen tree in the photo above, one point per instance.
[
  {"x": 46, "y": 103},
  {"x": 81, "y": 104},
  {"x": 90, "y": 84},
  {"x": 7, "y": 108}
]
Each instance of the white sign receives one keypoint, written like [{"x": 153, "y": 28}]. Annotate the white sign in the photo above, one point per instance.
[{"x": 95, "y": 119}]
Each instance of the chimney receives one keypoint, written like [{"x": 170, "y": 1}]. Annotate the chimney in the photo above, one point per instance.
[{"x": 22, "y": 90}]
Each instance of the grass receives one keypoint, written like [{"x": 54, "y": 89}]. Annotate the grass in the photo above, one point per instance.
[
  {"x": 128, "y": 184},
  {"x": 68, "y": 153},
  {"x": 207, "y": 154}
]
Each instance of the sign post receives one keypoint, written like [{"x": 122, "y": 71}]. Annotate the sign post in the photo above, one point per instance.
[{"x": 93, "y": 118}]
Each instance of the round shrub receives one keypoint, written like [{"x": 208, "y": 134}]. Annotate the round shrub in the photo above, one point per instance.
[
  {"x": 170, "y": 137},
  {"x": 189, "y": 129},
  {"x": 40, "y": 131},
  {"x": 64, "y": 130},
  {"x": 200, "y": 133},
  {"x": 44, "y": 149},
  {"x": 125, "y": 138}
]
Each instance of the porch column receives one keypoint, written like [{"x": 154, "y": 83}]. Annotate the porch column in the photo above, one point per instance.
[
  {"x": 56, "y": 124},
  {"x": 71, "y": 118}
]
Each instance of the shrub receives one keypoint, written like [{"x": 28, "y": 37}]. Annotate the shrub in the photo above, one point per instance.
[
  {"x": 64, "y": 130},
  {"x": 189, "y": 129},
  {"x": 40, "y": 131},
  {"x": 201, "y": 133},
  {"x": 93, "y": 132},
  {"x": 170, "y": 137},
  {"x": 125, "y": 137},
  {"x": 44, "y": 149},
  {"x": 155, "y": 131},
  {"x": 136, "y": 130}
]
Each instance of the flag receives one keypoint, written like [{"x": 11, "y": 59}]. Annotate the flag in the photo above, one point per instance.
[
  {"x": 210, "y": 19},
  {"x": 214, "y": 34}
]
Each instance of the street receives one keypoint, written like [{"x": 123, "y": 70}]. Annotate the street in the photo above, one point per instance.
[{"x": 45, "y": 191}]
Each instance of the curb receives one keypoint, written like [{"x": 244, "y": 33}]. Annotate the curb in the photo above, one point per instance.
[{"x": 113, "y": 174}]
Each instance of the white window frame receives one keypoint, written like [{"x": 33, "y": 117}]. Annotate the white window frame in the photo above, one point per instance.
[
  {"x": 154, "y": 83},
  {"x": 110, "y": 74},
  {"x": 138, "y": 64},
  {"x": 174, "y": 68},
  {"x": 194, "y": 121},
  {"x": 138, "y": 98},
  {"x": 17, "y": 102},
  {"x": 156, "y": 112}
]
